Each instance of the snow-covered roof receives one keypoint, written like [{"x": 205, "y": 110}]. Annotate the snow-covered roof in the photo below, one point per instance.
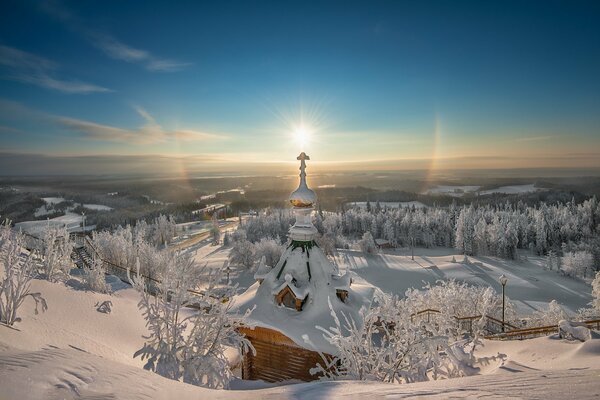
[
  {"x": 318, "y": 289},
  {"x": 299, "y": 292},
  {"x": 262, "y": 270},
  {"x": 342, "y": 282}
]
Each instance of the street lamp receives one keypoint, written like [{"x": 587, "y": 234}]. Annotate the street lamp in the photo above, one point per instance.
[
  {"x": 503, "y": 280},
  {"x": 83, "y": 218}
]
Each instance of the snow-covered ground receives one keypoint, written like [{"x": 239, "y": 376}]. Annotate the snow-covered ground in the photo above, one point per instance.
[
  {"x": 71, "y": 220},
  {"x": 451, "y": 190},
  {"x": 97, "y": 207},
  {"x": 73, "y": 351},
  {"x": 514, "y": 189},
  {"x": 389, "y": 204},
  {"x": 530, "y": 286}
]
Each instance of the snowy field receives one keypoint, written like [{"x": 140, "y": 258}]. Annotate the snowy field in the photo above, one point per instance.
[
  {"x": 530, "y": 286},
  {"x": 97, "y": 207},
  {"x": 515, "y": 189},
  {"x": 73, "y": 351},
  {"x": 451, "y": 190},
  {"x": 71, "y": 220}
]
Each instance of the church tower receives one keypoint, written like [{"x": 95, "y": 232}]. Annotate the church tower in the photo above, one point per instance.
[{"x": 293, "y": 297}]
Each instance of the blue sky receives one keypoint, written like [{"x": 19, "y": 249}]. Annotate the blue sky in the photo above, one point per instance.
[{"x": 467, "y": 84}]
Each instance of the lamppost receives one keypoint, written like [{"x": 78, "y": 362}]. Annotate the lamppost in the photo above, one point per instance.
[
  {"x": 83, "y": 217},
  {"x": 503, "y": 280}
]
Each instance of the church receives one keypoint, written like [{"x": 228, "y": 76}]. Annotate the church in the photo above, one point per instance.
[{"x": 291, "y": 299}]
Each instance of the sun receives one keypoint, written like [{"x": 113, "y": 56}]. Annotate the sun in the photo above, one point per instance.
[{"x": 302, "y": 135}]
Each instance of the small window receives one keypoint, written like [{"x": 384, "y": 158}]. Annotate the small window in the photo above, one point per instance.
[{"x": 289, "y": 300}]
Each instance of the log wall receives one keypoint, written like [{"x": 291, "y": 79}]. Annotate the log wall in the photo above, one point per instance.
[{"x": 277, "y": 357}]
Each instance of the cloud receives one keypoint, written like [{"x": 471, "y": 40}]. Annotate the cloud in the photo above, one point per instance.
[
  {"x": 149, "y": 133},
  {"x": 29, "y": 68},
  {"x": 111, "y": 46}
]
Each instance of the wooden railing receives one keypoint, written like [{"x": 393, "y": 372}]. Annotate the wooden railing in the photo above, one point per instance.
[
  {"x": 493, "y": 326},
  {"x": 528, "y": 333}
]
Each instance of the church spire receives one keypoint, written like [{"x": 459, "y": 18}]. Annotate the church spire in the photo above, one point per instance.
[{"x": 303, "y": 199}]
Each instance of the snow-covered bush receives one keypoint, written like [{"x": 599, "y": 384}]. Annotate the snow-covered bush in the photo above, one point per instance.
[
  {"x": 577, "y": 263},
  {"x": 390, "y": 347},
  {"x": 163, "y": 230},
  {"x": 56, "y": 256},
  {"x": 327, "y": 243},
  {"x": 242, "y": 254},
  {"x": 215, "y": 231},
  {"x": 548, "y": 317},
  {"x": 367, "y": 244},
  {"x": 458, "y": 299},
  {"x": 18, "y": 271},
  {"x": 573, "y": 331},
  {"x": 189, "y": 344},
  {"x": 271, "y": 249},
  {"x": 94, "y": 276}
]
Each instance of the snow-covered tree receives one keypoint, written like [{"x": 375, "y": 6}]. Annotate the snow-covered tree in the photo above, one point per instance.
[
  {"x": 271, "y": 249},
  {"x": 163, "y": 230},
  {"x": 367, "y": 244},
  {"x": 15, "y": 284},
  {"x": 215, "y": 231},
  {"x": 388, "y": 346},
  {"x": 577, "y": 263},
  {"x": 56, "y": 255},
  {"x": 94, "y": 276},
  {"x": 189, "y": 344},
  {"x": 550, "y": 316},
  {"x": 242, "y": 254}
]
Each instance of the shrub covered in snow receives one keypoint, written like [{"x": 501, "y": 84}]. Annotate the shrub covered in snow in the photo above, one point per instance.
[
  {"x": 550, "y": 316},
  {"x": 242, "y": 254},
  {"x": 94, "y": 276},
  {"x": 18, "y": 271},
  {"x": 271, "y": 249},
  {"x": 56, "y": 256},
  {"x": 573, "y": 331},
  {"x": 188, "y": 344},
  {"x": 367, "y": 244},
  {"x": 389, "y": 346}
]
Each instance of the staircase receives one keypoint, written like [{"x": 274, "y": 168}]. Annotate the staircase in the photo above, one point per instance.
[{"x": 81, "y": 257}]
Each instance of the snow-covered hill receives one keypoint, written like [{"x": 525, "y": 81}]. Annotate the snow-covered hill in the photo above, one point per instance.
[{"x": 73, "y": 351}]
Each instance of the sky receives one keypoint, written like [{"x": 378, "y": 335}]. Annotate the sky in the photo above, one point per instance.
[{"x": 142, "y": 86}]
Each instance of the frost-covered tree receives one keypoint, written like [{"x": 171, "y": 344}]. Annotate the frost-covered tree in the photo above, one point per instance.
[
  {"x": 163, "y": 230},
  {"x": 215, "y": 231},
  {"x": 189, "y": 344},
  {"x": 56, "y": 255},
  {"x": 271, "y": 249},
  {"x": 577, "y": 263},
  {"x": 327, "y": 243},
  {"x": 94, "y": 276},
  {"x": 388, "y": 346},
  {"x": 549, "y": 316},
  {"x": 242, "y": 254},
  {"x": 19, "y": 269},
  {"x": 367, "y": 244}
]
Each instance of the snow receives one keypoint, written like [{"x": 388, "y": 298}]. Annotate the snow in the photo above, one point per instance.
[
  {"x": 74, "y": 351},
  {"x": 529, "y": 286},
  {"x": 97, "y": 207},
  {"x": 452, "y": 190},
  {"x": 300, "y": 324},
  {"x": 71, "y": 220},
  {"x": 514, "y": 189}
]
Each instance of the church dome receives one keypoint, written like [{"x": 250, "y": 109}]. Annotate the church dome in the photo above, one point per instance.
[{"x": 303, "y": 197}]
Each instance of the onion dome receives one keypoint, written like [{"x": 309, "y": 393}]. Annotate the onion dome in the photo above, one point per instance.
[{"x": 303, "y": 197}]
